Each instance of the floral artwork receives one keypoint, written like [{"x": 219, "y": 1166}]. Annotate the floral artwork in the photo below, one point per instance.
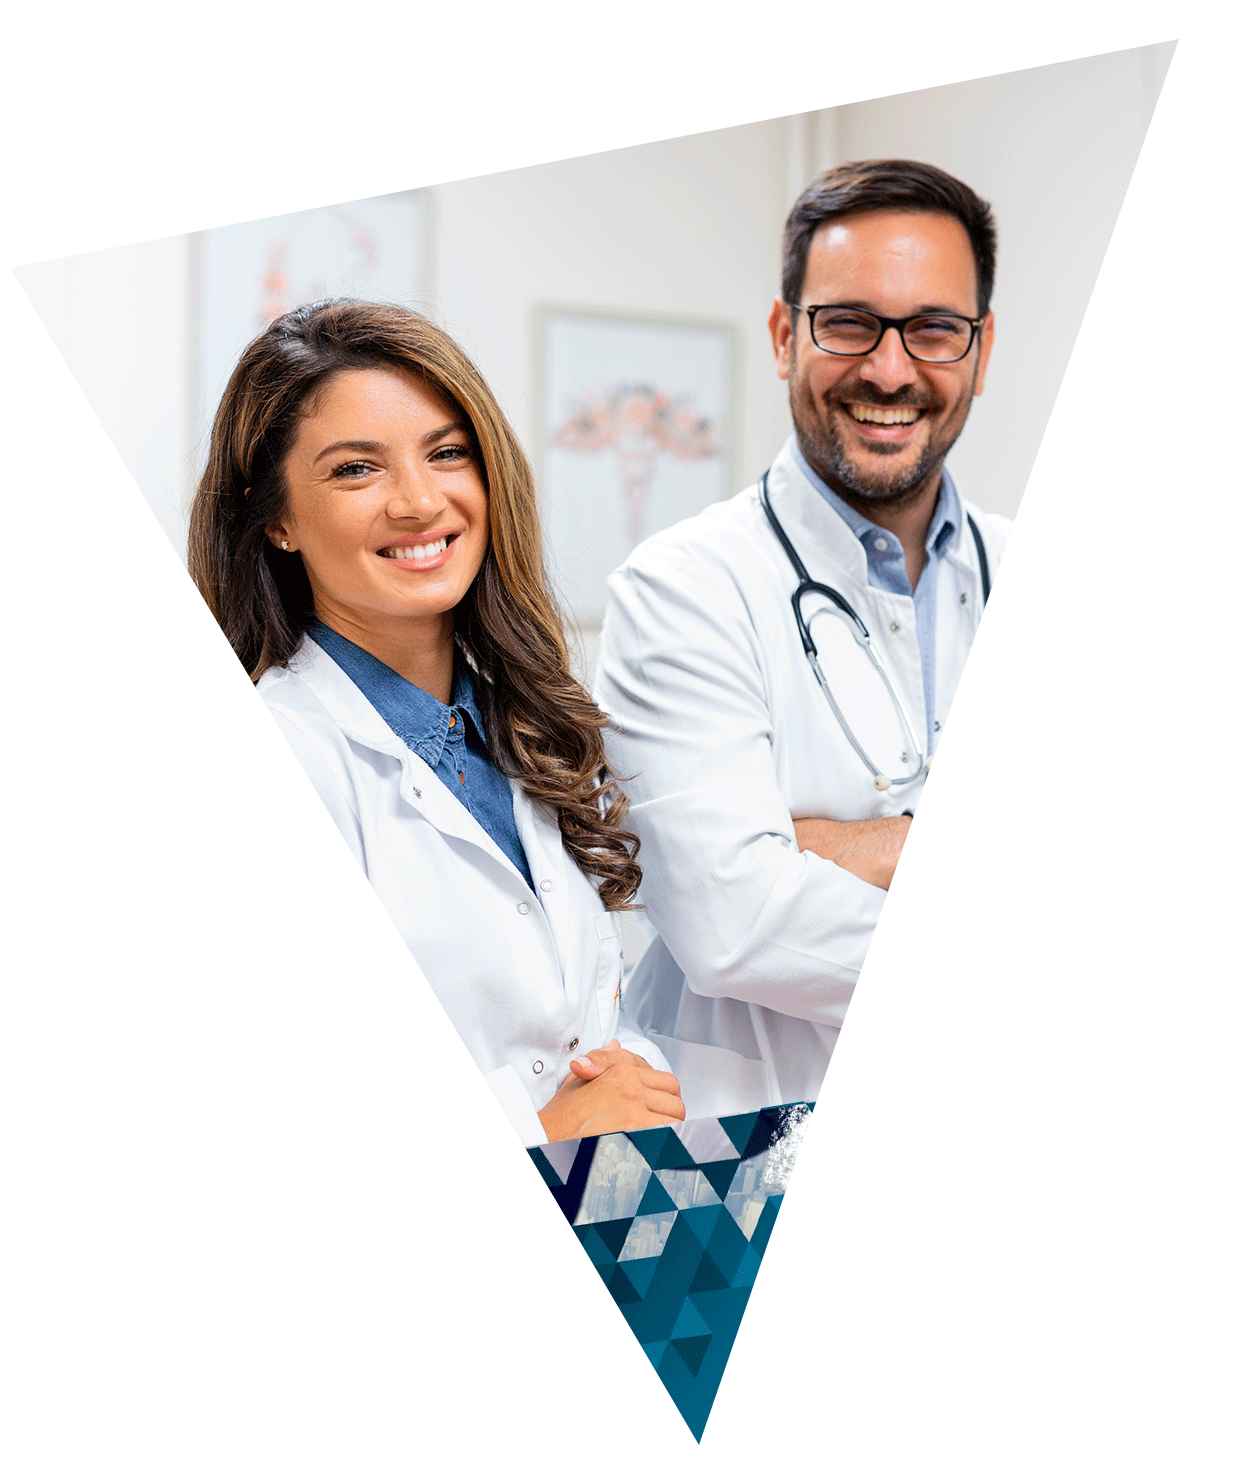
[
  {"x": 636, "y": 435},
  {"x": 251, "y": 273}
]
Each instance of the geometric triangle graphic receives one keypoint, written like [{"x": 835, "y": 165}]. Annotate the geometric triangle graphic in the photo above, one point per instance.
[{"x": 681, "y": 1267}]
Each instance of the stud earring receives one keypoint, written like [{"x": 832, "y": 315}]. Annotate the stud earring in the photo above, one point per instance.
[{"x": 283, "y": 545}]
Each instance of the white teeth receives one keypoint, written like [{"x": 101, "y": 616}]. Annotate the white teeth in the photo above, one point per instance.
[
  {"x": 866, "y": 413},
  {"x": 416, "y": 553}
]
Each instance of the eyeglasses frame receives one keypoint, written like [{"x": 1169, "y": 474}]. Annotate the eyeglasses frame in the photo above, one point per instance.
[{"x": 896, "y": 323}]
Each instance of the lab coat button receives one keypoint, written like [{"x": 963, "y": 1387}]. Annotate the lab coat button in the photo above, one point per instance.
[
  {"x": 963, "y": 597},
  {"x": 936, "y": 725},
  {"x": 574, "y": 1044},
  {"x": 546, "y": 885},
  {"x": 894, "y": 626},
  {"x": 538, "y": 1067},
  {"x": 524, "y": 908}
]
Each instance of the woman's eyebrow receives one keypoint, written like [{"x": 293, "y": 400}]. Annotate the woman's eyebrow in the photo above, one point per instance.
[
  {"x": 361, "y": 446},
  {"x": 447, "y": 428}
]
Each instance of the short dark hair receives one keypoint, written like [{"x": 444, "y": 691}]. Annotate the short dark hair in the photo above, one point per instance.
[{"x": 878, "y": 184}]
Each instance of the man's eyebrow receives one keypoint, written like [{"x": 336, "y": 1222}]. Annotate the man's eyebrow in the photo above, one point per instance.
[{"x": 918, "y": 311}]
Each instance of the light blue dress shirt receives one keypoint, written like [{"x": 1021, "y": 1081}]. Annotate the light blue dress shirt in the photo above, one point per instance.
[{"x": 887, "y": 566}]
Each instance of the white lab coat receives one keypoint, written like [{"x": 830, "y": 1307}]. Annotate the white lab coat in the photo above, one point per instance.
[
  {"x": 728, "y": 739},
  {"x": 529, "y": 982}
]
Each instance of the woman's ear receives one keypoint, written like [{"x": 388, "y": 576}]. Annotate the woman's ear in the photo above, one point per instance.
[{"x": 278, "y": 536}]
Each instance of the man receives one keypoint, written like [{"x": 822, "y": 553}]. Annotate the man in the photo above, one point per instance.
[{"x": 772, "y": 803}]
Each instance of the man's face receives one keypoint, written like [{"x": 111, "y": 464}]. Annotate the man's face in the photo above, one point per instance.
[{"x": 894, "y": 264}]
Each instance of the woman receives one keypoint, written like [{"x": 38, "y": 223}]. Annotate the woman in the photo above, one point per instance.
[{"x": 366, "y": 535}]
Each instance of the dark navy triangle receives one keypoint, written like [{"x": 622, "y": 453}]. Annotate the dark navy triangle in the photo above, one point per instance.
[
  {"x": 614, "y": 1233},
  {"x": 721, "y": 1174}
]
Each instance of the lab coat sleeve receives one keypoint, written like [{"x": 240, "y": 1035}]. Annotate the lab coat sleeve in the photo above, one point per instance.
[{"x": 742, "y": 911}]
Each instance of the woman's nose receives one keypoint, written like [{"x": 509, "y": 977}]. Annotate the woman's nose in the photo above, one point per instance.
[{"x": 412, "y": 495}]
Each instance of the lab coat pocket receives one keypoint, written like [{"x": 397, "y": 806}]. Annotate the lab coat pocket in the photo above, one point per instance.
[{"x": 609, "y": 971}]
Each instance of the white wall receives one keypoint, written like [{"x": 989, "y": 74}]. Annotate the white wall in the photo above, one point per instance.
[
  {"x": 688, "y": 227},
  {"x": 1052, "y": 150}
]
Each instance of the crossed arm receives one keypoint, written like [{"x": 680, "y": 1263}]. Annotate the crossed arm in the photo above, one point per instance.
[{"x": 869, "y": 849}]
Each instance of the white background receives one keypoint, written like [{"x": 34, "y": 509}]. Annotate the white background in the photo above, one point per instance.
[{"x": 255, "y": 1210}]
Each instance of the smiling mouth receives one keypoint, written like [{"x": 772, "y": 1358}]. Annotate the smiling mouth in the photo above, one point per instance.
[
  {"x": 423, "y": 552},
  {"x": 869, "y": 413}
]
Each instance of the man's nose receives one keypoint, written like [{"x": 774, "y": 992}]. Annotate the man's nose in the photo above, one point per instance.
[{"x": 888, "y": 366}]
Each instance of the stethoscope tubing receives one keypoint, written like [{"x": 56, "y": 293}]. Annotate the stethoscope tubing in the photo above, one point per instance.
[{"x": 806, "y": 585}]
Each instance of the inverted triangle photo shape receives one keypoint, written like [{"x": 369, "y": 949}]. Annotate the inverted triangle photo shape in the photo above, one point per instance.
[{"x": 636, "y": 360}]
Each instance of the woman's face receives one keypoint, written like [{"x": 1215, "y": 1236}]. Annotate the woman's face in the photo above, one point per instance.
[{"x": 386, "y": 502}]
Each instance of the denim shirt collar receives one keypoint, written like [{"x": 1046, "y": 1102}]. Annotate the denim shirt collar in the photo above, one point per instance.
[{"x": 414, "y": 715}]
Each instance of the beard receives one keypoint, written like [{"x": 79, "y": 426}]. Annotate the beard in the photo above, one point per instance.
[{"x": 866, "y": 486}]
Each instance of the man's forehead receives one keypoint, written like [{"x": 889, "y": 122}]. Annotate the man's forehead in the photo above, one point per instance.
[{"x": 924, "y": 251}]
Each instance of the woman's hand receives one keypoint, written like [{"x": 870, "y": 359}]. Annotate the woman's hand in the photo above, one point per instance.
[{"x": 611, "y": 1090}]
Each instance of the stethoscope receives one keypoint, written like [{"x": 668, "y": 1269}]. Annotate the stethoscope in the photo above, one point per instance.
[{"x": 864, "y": 639}]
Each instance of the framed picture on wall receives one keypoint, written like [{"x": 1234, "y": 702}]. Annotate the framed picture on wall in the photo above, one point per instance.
[
  {"x": 636, "y": 431},
  {"x": 250, "y": 273}
]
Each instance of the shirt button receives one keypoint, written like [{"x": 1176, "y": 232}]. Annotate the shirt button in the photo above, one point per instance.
[
  {"x": 893, "y": 627},
  {"x": 546, "y": 885},
  {"x": 574, "y": 1044},
  {"x": 461, "y": 777},
  {"x": 538, "y": 1067},
  {"x": 881, "y": 543},
  {"x": 451, "y": 722},
  {"x": 523, "y": 908}
]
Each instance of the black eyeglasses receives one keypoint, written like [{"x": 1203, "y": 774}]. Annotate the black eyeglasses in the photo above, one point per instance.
[{"x": 934, "y": 336}]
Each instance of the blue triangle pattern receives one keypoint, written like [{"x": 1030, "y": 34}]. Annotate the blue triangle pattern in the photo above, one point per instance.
[{"x": 685, "y": 1300}]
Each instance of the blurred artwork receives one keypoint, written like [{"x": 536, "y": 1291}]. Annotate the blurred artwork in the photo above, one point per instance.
[
  {"x": 636, "y": 433},
  {"x": 249, "y": 274}
]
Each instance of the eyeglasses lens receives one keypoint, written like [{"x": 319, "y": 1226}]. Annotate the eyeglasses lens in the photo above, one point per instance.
[{"x": 928, "y": 338}]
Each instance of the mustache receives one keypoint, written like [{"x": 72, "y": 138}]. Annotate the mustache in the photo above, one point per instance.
[{"x": 905, "y": 397}]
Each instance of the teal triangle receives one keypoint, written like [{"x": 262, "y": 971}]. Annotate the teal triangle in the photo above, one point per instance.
[
  {"x": 745, "y": 1275},
  {"x": 641, "y": 1272},
  {"x": 708, "y": 1277},
  {"x": 764, "y": 1227},
  {"x": 690, "y": 1323},
  {"x": 656, "y": 1200},
  {"x": 739, "y": 1129},
  {"x": 594, "y": 1246},
  {"x": 621, "y": 1287},
  {"x": 691, "y": 1349},
  {"x": 701, "y": 1222},
  {"x": 721, "y": 1174},
  {"x": 655, "y": 1351},
  {"x": 613, "y": 1232},
  {"x": 649, "y": 1142},
  {"x": 672, "y": 1153}
]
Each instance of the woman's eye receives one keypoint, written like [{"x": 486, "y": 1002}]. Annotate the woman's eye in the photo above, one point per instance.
[
  {"x": 450, "y": 452},
  {"x": 354, "y": 469}
]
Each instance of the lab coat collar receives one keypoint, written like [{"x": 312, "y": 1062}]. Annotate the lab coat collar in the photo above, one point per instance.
[
  {"x": 419, "y": 786},
  {"x": 815, "y": 526}
]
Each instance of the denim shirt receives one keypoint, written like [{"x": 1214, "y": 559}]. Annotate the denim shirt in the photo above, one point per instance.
[
  {"x": 887, "y": 566},
  {"x": 449, "y": 738}
]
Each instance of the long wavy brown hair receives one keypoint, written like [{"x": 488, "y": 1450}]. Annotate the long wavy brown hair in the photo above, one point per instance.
[{"x": 543, "y": 729}]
